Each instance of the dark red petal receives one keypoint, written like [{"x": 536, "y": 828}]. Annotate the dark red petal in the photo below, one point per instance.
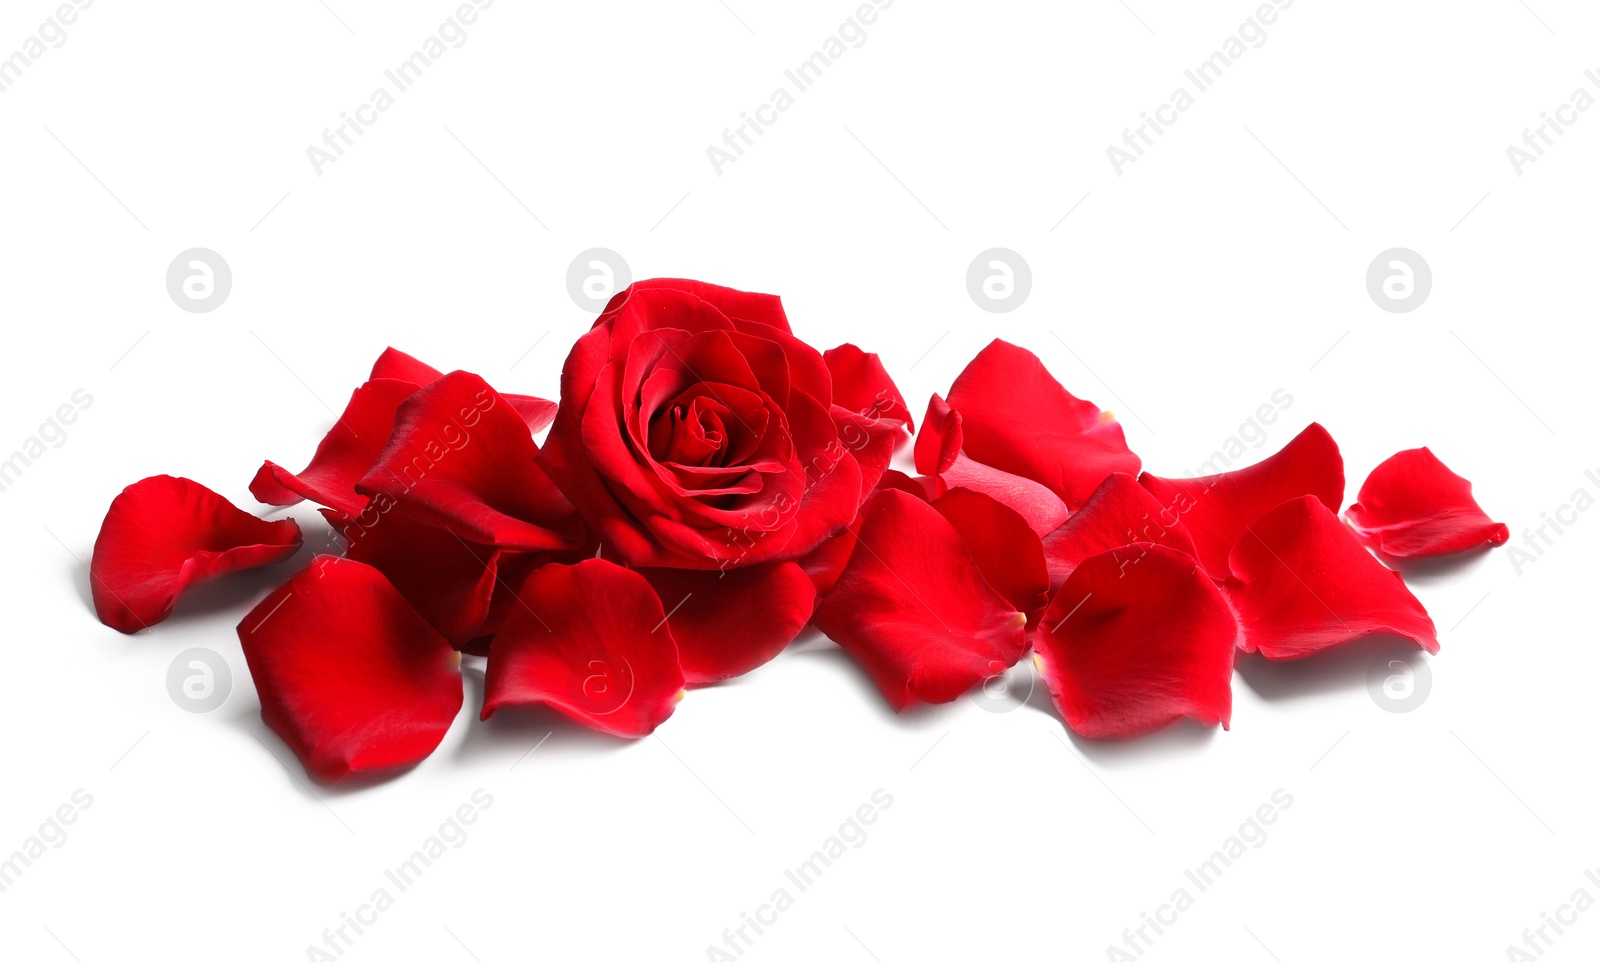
[
  {"x": 1119, "y": 512},
  {"x": 344, "y": 455},
  {"x": 726, "y": 623},
  {"x": 1217, "y": 508},
  {"x": 1302, "y": 583},
  {"x": 1018, "y": 418},
  {"x": 590, "y": 641},
  {"x": 350, "y": 676},
  {"x": 861, "y": 384},
  {"x": 449, "y": 581},
  {"x": 403, "y": 367},
  {"x": 913, "y": 607},
  {"x": 1412, "y": 506},
  {"x": 1005, "y": 548},
  {"x": 164, "y": 534},
  {"x": 461, "y": 459},
  {"x": 1138, "y": 638}
]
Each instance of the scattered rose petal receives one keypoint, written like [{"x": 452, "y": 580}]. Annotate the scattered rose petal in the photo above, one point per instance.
[
  {"x": 1004, "y": 547},
  {"x": 1119, "y": 512},
  {"x": 1137, "y": 638},
  {"x": 729, "y": 622},
  {"x": 1216, "y": 509},
  {"x": 1412, "y": 506},
  {"x": 591, "y": 641},
  {"x": 1302, "y": 583},
  {"x": 914, "y": 608},
  {"x": 163, "y": 535},
  {"x": 350, "y": 676},
  {"x": 1018, "y": 418},
  {"x": 939, "y": 457}
]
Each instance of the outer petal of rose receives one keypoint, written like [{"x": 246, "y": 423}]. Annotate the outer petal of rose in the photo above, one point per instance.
[
  {"x": 447, "y": 580},
  {"x": 1005, "y": 548},
  {"x": 914, "y": 608},
  {"x": 1138, "y": 638},
  {"x": 344, "y": 455},
  {"x": 461, "y": 459},
  {"x": 1018, "y": 418},
  {"x": 165, "y": 534},
  {"x": 825, "y": 563},
  {"x": 861, "y": 384},
  {"x": 1119, "y": 512},
  {"x": 1412, "y": 506},
  {"x": 729, "y": 622},
  {"x": 591, "y": 642},
  {"x": 737, "y": 305},
  {"x": 1302, "y": 583},
  {"x": 350, "y": 676},
  {"x": 1216, "y": 509}
]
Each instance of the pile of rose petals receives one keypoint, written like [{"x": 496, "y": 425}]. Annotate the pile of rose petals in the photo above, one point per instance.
[{"x": 711, "y": 485}]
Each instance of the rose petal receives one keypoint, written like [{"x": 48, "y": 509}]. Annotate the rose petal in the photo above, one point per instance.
[
  {"x": 461, "y": 459},
  {"x": 163, "y": 535},
  {"x": 1302, "y": 583},
  {"x": 1018, "y": 418},
  {"x": 1120, "y": 512},
  {"x": 726, "y": 623},
  {"x": 1004, "y": 547},
  {"x": 591, "y": 642},
  {"x": 344, "y": 454},
  {"x": 350, "y": 676},
  {"x": 403, "y": 367},
  {"x": 449, "y": 581},
  {"x": 1218, "y": 508},
  {"x": 861, "y": 384},
  {"x": 738, "y": 305},
  {"x": 913, "y": 607},
  {"x": 938, "y": 455},
  {"x": 1138, "y": 638},
  {"x": 1412, "y": 506}
]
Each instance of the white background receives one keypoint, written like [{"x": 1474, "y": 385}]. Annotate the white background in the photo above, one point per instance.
[{"x": 1225, "y": 264}]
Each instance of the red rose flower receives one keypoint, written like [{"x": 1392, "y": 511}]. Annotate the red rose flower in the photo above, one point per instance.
[{"x": 710, "y": 448}]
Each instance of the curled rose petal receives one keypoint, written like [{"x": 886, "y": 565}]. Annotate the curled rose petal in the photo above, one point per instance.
[
  {"x": 1119, "y": 512},
  {"x": 1004, "y": 547},
  {"x": 163, "y": 535},
  {"x": 1302, "y": 583},
  {"x": 401, "y": 366},
  {"x": 1412, "y": 506},
  {"x": 350, "y": 676},
  {"x": 938, "y": 456},
  {"x": 726, "y": 623},
  {"x": 1137, "y": 638},
  {"x": 914, "y": 608},
  {"x": 589, "y": 640},
  {"x": 1216, "y": 509},
  {"x": 1018, "y": 418},
  {"x": 461, "y": 459},
  {"x": 345, "y": 454}
]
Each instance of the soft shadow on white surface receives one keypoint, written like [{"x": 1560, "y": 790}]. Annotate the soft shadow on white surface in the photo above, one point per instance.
[
  {"x": 1342, "y": 668},
  {"x": 1428, "y": 571}
]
